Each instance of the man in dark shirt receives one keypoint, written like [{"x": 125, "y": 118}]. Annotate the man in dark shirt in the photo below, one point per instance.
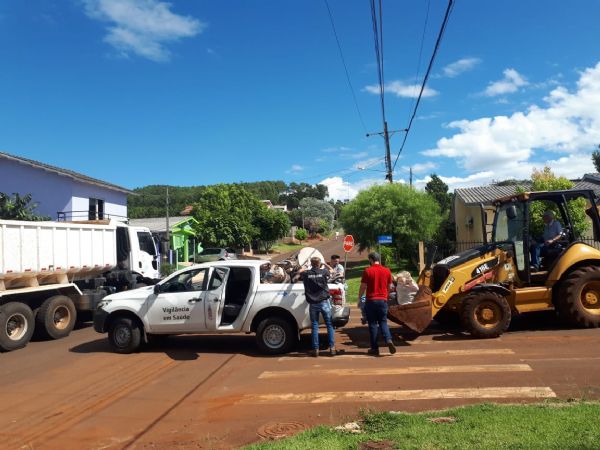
[
  {"x": 317, "y": 295},
  {"x": 376, "y": 282}
]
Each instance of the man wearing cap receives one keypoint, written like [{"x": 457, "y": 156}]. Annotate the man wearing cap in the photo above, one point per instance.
[
  {"x": 376, "y": 283},
  {"x": 552, "y": 233}
]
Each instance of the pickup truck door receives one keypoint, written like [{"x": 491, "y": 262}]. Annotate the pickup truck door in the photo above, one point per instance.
[
  {"x": 215, "y": 297},
  {"x": 178, "y": 307}
]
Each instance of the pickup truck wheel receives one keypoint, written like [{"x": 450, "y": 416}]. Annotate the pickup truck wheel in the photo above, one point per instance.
[
  {"x": 124, "y": 335},
  {"x": 56, "y": 317},
  {"x": 16, "y": 325},
  {"x": 485, "y": 314},
  {"x": 275, "y": 336}
]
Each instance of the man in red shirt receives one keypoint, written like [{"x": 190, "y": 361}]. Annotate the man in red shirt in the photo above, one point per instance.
[{"x": 376, "y": 282}]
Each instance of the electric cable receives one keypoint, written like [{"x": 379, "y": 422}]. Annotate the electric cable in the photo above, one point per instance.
[
  {"x": 360, "y": 116},
  {"x": 426, "y": 77}
]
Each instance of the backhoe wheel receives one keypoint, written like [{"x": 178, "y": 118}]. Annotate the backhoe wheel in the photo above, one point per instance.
[
  {"x": 579, "y": 297},
  {"x": 56, "y": 317},
  {"x": 16, "y": 325},
  {"x": 124, "y": 335},
  {"x": 485, "y": 314}
]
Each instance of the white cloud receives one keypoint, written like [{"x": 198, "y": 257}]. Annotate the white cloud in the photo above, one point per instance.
[
  {"x": 462, "y": 65},
  {"x": 400, "y": 89},
  {"x": 511, "y": 82},
  {"x": 295, "y": 169},
  {"x": 421, "y": 167},
  {"x": 503, "y": 147},
  {"x": 340, "y": 189},
  {"x": 142, "y": 27}
]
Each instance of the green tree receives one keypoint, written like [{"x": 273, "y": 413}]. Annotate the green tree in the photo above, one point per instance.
[
  {"x": 596, "y": 159},
  {"x": 17, "y": 207},
  {"x": 316, "y": 211},
  {"x": 297, "y": 191},
  {"x": 272, "y": 224},
  {"x": 407, "y": 214},
  {"x": 439, "y": 191},
  {"x": 225, "y": 214},
  {"x": 545, "y": 180},
  {"x": 301, "y": 234},
  {"x": 445, "y": 235}
]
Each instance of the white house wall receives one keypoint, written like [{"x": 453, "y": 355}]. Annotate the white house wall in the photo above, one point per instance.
[
  {"x": 57, "y": 193},
  {"x": 49, "y": 190}
]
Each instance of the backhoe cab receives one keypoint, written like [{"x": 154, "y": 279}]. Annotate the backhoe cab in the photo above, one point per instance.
[{"x": 487, "y": 285}]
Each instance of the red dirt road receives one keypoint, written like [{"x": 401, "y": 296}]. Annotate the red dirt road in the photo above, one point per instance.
[{"x": 219, "y": 392}]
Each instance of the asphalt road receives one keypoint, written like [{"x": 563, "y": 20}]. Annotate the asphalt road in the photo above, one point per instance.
[{"x": 219, "y": 392}]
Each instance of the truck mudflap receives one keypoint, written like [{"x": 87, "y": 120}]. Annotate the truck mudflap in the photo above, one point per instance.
[{"x": 416, "y": 315}]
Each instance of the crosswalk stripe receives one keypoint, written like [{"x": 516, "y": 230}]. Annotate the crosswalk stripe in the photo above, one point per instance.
[
  {"x": 401, "y": 354},
  {"x": 413, "y": 394},
  {"x": 479, "y": 368}
]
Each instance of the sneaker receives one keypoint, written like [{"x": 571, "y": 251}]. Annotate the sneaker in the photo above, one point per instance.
[
  {"x": 363, "y": 321},
  {"x": 333, "y": 351},
  {"x": 373, "y": 352},
  {"x": 314, "y": 353},
  {"x": 391, "y": 347}
]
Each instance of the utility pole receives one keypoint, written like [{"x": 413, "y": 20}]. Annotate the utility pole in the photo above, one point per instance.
[
  {"x": 411, "y": 177},
  {"x": 386, "y": 134},
  {"x": 388, "y": 155},
  {"x": 168, "y": 228}
]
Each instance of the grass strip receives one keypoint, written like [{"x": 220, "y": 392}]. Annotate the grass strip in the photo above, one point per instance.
[{"x": 548, "y": 425}]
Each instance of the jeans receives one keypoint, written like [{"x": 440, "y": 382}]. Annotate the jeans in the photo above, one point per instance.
[
  {"x": 376, "y": 311},
  {"x": 538, "y": 249},
  {"x": 323, "y": 308}
]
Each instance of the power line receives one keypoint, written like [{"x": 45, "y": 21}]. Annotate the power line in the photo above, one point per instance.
[
  {"x": 420, "y": 52},
  {"x": 427, "y": 73},
  {"x": 345, "y": 66},
  {"x": 378, "y": 41}
]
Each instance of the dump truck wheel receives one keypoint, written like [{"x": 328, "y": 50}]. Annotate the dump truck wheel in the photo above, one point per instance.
[
  {"x": 275, "y": 336},
  {"x": 485, "y": 314},
  {"x": 124, "y": 335},
  {"x": 16, "y": 325},
  {"x": 56, "y": 317},
  {"x": 579, "y": 299}
]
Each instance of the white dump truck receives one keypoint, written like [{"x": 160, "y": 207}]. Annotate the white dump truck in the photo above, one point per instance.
[
  {"x": 214, "y": 297},
  {"x": 50, "y": 271}
]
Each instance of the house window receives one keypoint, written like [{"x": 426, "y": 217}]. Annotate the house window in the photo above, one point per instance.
[{"x": 96, "y": 209}]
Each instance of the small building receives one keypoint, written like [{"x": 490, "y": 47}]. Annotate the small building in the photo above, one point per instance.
[
  {"x": 469, "y": 203},
  {"x": 60, "y": 193},
  {"x": 182, "y": 235}
]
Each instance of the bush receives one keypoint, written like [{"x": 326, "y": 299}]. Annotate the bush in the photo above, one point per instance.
[
  {"x": 167, "y": 269},
  {"x": 301, "y": 234},
  {"x": 387, "y": 255}
]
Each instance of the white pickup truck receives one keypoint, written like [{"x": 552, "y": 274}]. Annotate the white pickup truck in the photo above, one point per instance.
[{"x": 214, "y": 297}]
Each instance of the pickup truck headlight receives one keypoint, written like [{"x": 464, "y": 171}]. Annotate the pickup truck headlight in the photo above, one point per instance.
[{"x": 103, "y": 303}]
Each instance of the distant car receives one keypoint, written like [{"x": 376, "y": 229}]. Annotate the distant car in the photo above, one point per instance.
[{"x": 216, "y": 254}]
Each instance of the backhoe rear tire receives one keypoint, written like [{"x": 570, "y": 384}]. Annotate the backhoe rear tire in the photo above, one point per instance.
[
  {"x": 579, "y": 298},
  {"x": 485, "y": 314}
]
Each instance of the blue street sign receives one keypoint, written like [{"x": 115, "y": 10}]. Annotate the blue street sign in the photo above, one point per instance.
[{"x": 384, "y": 239}]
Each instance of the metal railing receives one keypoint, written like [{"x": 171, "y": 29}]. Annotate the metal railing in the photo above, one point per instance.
[{"x": 65, "y": 216}]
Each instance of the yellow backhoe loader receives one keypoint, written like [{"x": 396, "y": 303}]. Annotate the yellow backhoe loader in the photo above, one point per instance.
[{"x": 488, "y": 285}]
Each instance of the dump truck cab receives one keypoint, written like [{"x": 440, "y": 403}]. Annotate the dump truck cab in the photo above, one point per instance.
[{"x": 488, "y": 284}]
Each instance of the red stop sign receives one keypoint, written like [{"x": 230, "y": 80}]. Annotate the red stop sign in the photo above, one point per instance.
[{"x": 348, "y": 243}]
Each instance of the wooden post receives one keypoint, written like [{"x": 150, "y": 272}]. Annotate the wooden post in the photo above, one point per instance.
[{"x": 421, "y": 256}]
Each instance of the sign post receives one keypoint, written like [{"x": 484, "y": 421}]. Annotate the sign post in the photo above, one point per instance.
[{"x": 348, "y": 246}]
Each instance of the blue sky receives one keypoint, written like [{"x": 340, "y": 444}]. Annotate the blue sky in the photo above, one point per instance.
[{"x": 140, "y": 92}]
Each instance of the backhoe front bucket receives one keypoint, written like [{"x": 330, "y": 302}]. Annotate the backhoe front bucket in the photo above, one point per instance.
[{"x": 416, "y": 315}]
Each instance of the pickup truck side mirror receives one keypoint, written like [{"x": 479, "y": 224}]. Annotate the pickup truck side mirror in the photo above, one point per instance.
[{"x": 157, "y": 289}]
